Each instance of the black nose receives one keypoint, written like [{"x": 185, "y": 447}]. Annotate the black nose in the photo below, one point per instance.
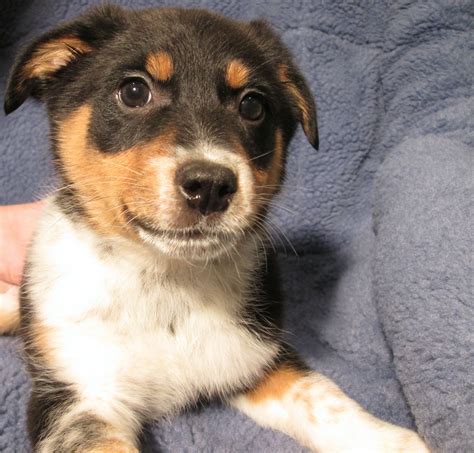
[{"x": 206, "y": 186}]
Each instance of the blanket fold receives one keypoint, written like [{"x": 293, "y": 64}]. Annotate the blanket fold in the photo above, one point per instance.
[{"x": 422, "y": 289}]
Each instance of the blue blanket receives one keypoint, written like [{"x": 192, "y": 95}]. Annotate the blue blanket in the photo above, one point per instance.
[{"x": 380, "y": 296}]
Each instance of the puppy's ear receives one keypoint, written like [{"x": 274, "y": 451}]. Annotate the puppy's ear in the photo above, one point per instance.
[
  {"x": 44, "y": 59},
  {"x": 294, "y": 83},
  {"x": 302, "y": 100}
]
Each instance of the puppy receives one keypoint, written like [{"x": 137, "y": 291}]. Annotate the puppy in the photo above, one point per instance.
[{"x": 148, "y": 285}]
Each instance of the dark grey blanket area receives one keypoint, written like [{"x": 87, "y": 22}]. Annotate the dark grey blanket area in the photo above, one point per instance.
[{"x": 380, "y": 297}]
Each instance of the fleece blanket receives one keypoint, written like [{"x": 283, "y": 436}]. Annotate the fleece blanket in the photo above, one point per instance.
[{"x": 379, "y": 295}]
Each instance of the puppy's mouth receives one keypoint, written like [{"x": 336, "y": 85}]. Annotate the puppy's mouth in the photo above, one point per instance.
[
  {"x": 188, "y": 234},
  {"x": 200, "y": 243}
]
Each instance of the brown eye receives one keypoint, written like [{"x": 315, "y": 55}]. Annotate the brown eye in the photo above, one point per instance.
[
  {"x": 252, "y": 107},
  {"x": 134, "y": 92}
]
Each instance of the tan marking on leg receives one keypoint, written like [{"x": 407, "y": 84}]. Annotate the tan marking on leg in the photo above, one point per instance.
[
  {"x": 113, "y": 446},
  {"x": 237, "y": 74},
  {"x": 160, "y": 66},
  {"x": 52, "y": 55},
  {"x": 302, "y": 396},
  {"x": 302, "y": 391},
  {"x": 275, "y": 384},
  {"x": 316, "y": 412}
]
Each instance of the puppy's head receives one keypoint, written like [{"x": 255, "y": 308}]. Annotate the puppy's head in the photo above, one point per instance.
[{"x": 169, "y": 126}]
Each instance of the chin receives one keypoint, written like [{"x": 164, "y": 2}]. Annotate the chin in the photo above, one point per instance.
[{"x": 190, "y": 245}]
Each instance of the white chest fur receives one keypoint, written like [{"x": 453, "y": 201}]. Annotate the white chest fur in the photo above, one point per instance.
[{"x": 125, "y": 325}]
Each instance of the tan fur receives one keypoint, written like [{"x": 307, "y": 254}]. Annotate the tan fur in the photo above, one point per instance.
[
  {"x": 297, "y": 96},
  {"x": 113, "y": 446},
  {"x": 302, "y": 395},
  {"x": 276, "y": 166},
  {"x": 9, "y": 322},
  {"x": 125, "y": 178},
  {"x": 268, "y": 180},
  {"x": 40, "y": 338},
  {"x": 52, "y": 55},
  {"x": 275, "y": 384},
  {"x": 237, "y": 74},
  {"x": 272, "y": 175},
  {"x": 160, "y": 66}
]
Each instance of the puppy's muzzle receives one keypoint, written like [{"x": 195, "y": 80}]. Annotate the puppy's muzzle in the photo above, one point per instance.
[{"x": 207, "y": 187}]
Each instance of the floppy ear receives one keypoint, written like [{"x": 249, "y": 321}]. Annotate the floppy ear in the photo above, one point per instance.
[
  {"x": 295, "y": 85},
  {"x": 42, "y": 61},
  {"x": 302, "y": 100}
]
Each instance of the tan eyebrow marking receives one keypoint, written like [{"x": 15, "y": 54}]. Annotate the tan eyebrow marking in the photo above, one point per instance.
[
  {"x": 160, "y": 65},
  {"x": 237, "y": 74}
]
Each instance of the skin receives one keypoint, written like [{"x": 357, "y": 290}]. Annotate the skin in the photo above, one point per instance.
[{"x": 17, "y": 223}]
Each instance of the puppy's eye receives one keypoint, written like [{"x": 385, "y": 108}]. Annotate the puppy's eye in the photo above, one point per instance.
[
  {"x": 134, "y": 92},
  {"x": 252, "y": 107}
]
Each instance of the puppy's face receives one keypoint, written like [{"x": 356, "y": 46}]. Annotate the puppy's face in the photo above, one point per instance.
[{"x": 169, "y": 126}]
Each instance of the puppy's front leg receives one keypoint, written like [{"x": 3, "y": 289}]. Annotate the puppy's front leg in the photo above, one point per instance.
[
  {"x": 315, "y": 411},
  {"x": 61, "y": 423}
]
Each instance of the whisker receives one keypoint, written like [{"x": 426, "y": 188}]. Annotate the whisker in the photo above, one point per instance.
[
  {"x": 261, "y": 155},
  {"x": 126, "y": 168}
]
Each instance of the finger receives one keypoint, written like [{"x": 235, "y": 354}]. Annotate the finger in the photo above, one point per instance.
[
  {"x": 9, "y": 308},
  {"x": 17, "y": 224},
  {"x": 4, "y": 286}
]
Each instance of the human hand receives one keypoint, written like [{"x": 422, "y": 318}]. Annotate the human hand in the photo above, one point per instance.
[{"x": 17, "y": 223}]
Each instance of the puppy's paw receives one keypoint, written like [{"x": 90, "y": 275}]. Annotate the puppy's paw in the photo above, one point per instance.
[
  {"x": 316, "y": 412},
  {"x": 328, "y": 421},
  {"x": 393, "y": 439},
  {"x": 367, "y": 437}
]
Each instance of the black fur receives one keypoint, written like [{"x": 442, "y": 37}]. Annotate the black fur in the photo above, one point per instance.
[
  {"x": 85, "y": 431},
  {"x": 49, "y": 397}
]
